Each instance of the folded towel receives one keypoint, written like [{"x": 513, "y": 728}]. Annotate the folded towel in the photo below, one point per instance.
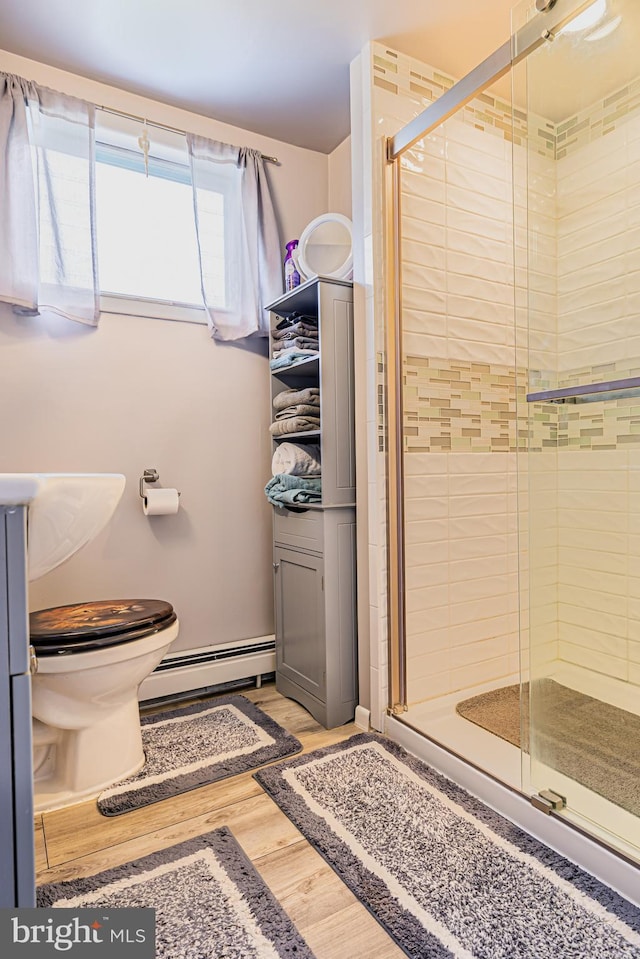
[
  {"x": 302, "y": 409},
  {"x": 283, "y": 490},
  {"x": 294, "y": 424},
  {"x": 296, "y": 329},
  {"x": 296, "y": 459},
  {"x": 310, "y": 395},
  {"x": 298, "y": 343},
  {"x": 291, "y": 358},
  {"x": 288, "y": 321},
  {"x": 302, "y": 340}
]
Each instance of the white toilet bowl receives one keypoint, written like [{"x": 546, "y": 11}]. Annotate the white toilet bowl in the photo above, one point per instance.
[{"x": 91, "y": 660}]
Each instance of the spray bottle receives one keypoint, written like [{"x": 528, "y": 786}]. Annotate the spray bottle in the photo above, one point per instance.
[{"x": 291, "y": 275}]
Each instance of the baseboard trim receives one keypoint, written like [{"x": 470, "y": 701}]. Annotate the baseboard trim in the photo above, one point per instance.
[
  {"x": 362, "y": 718},
  {"x": 196, "y": 669}
]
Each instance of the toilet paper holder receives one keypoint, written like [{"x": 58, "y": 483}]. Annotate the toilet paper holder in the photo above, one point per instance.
[
  {"x": 161, "y": 502},
  {"x": 149, "y": 476}
]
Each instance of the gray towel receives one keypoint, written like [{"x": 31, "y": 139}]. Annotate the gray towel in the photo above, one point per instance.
[
  {"x": 288, "y": 321},
  {"x": 294, "y": 424},
  {"x": 297, "y": 329},
  {"x": 310, "y": 396},
  {"x": 302, "y": 409},
  {"x": 298, "y": 342}
]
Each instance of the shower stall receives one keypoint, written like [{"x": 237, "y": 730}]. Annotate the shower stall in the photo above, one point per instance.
[{"x": 512, "y": 416}]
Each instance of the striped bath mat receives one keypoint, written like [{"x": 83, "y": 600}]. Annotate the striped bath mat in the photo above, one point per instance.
[
  {"x": 193, "y": 746},
  {"x": 209, "y": 902},
  {"x": 444, "y": 874}
]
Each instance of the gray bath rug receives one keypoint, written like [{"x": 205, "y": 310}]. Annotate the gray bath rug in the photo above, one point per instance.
[
  {"x": 444, "y": 874},
  {"x": 581, "y": 737},
  {"x": 193, "y": 746},
  {"x": 498, "y": 711},
  {"x": 210, "y": 902}
]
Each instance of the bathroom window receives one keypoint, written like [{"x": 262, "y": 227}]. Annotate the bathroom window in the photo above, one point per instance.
[{"x": 147, "y": 246}]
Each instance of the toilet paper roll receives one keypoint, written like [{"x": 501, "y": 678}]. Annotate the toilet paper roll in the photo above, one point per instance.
[{"x": 160, "y": 502}]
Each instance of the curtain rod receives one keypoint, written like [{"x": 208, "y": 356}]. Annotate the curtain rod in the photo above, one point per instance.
[{"x": 163, "y": 126}]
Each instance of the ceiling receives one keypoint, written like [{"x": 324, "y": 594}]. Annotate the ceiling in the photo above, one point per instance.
[
  {"x": 275, "y": 68},
  {"x": 282, "y": 70}
]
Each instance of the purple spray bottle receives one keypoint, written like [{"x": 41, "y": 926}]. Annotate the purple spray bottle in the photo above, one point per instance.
[{"x": 291, "y": 275}]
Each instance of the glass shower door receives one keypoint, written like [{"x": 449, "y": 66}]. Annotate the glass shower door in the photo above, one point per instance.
[{"x": 577, "y": 205}]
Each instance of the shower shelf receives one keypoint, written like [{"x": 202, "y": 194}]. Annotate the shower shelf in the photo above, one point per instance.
[{"x": 589, "y": 392}]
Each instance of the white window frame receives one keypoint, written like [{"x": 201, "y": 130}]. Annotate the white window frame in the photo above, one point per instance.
[{"x": 152, "y": 309}]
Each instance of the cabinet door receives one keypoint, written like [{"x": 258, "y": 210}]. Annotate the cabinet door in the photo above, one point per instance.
[{"x": 300, "y": 636}]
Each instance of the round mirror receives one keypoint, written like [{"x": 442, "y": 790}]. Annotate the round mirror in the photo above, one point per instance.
[{"x": 325, "y": 247}]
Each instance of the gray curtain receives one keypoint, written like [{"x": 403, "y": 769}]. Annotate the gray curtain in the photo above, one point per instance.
[
  {"x": 238, "y": 240},
  {"x": 48, "y": 254}
]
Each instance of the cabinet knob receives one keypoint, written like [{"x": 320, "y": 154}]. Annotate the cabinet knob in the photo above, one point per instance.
[{"x": 276, "y": 566}]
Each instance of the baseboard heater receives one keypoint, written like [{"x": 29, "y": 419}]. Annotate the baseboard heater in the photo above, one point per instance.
[{"x": 197, "y": 669}]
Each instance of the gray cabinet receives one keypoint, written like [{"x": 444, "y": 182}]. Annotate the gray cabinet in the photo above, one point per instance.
[
  {"x": 17, "y": 878},
  {"x": 315, "y": 545},
  {"x": 300, "y": 645}
]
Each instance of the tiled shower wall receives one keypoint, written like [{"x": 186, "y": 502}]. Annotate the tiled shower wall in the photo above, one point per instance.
[
  {"x": 461, "y": 428},
  {"x": 598, "y": 180},
  {"x": 463, "y": 385},
  {"x": 598, "y": 226},
  {"x": 466, "y": 377}
]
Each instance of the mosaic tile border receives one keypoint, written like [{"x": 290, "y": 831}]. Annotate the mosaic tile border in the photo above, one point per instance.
[
  {"x": 382, "y": 404},
  {"x": 549, "y": 380},
  {"x": 466, "y": 407},
  {"x": 608, "y": 425},
  {"x": 599, "y": 424},
  {"x": 402, "y": 75},
  {"x": 597, "y": 120},
  {"x": 463, "y": 407}
]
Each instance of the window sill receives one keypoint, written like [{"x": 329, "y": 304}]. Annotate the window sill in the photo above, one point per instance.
[{"x": 152, "y": 309}]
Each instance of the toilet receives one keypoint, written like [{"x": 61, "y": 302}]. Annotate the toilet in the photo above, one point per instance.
[{"x": 90, "y": 659}]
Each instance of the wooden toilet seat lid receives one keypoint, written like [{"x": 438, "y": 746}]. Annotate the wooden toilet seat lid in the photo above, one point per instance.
[{"x": 80, "y": 622}]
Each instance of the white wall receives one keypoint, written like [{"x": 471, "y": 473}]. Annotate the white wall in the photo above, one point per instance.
[
  {"x": 340, "y": 200},
  {"x": 370, "y": 463},
  {"x": 139, "y": 393}
]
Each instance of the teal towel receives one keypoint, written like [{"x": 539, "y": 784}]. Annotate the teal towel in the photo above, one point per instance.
[
  {"x": 283, "y": 489},
  {"x": 291, "y": 357}
]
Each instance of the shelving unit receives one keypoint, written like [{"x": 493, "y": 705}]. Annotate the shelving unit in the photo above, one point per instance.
[{"x": 314, "y": 547}]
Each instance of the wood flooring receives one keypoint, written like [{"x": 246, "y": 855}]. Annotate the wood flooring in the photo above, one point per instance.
[{"x": 78, "y": 841}]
